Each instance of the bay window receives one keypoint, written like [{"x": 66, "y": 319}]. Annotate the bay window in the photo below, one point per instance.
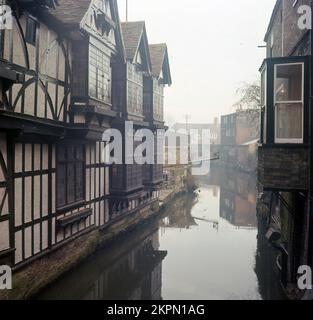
[
  {"x": 70, "y": 174},
  {"x": 100, "y": 75},
  {"x": 288, "y": 102},
  {"x": 284, "y": 95}
]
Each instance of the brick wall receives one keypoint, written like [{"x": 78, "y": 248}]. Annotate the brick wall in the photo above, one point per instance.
[
  {"x": 284, "y": 37},
  {"x": 283, "y": 168},
  {"x": 292, "y": 33}
]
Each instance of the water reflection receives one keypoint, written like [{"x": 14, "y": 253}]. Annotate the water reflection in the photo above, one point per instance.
[
  {"x": 204, "y": 246},
  {"x": 238, "y": 198},
  {"x": 131, "y": 270}
]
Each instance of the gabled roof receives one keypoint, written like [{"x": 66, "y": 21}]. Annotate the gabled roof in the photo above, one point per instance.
[
  {"x": 160, "y": 62},
  {"x": 70, "y": 12},
  {"x": 135, "y": 39}
]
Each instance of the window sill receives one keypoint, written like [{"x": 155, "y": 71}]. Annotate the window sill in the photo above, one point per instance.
[
  {"x": 76, "y": 217},
  {"x": 70, "y": 207},
  {"x": 284, "y": 145},
  {"x": 6, "y": 253}
]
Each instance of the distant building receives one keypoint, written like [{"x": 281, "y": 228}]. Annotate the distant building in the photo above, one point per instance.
[
  {"x": 240, "y": 134},
  {"x": 240, "y": 127},
  {"x": 214, "y": 129}
]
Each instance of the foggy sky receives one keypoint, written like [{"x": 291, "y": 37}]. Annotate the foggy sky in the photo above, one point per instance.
[{"x": 213, "y": 47}]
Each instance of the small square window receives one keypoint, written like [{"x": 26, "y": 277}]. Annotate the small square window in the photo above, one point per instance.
[{"x": 31, "y": 31}]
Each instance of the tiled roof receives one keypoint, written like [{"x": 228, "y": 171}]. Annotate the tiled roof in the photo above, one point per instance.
[
  {"x": 157, "y": 54},
  {"x": 70, "y": 12},
  {"x": 132, "y": 32}
]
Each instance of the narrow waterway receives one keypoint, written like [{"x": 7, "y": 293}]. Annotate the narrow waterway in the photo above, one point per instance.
[{"x": 203, "y": 247}]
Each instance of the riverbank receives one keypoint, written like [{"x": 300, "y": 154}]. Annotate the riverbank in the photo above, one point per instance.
[{"x": 31, "y": 279}]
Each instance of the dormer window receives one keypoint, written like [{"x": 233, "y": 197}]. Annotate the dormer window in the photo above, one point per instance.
[
  {"x": 284, "y": 100},
  {"x": 103, "y": 18}
]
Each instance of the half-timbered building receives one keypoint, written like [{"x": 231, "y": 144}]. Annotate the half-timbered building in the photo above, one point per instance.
[
  {"x": 67, "y": 73},
  {"x": 35, "y": 96},
  {"x": 134, "y": 185},
  {"x": 154, "y": 85}
]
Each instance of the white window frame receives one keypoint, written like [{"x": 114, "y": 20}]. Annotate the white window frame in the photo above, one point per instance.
[
  {"x": 264, "y": 105},
  {"x": 280, "y": 140}
]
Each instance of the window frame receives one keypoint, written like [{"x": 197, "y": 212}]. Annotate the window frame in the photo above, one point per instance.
[
  {"x": 270, "y": 129},
  {"x": 276, "y": 103},
  {"x": 33, "y": 39},
  {"x": 264, "y": 90},
  {"x": 77, "y": 200},
  {"x": 99, "y": 72}
]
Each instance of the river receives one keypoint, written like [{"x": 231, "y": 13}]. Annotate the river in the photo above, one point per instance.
[{"x": 204, "y": 246}]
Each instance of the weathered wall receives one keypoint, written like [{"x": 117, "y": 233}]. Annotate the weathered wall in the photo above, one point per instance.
[
  {"x": 283, "y": 168},
  {"x": 47, "y": 58},
  {"x": 284, "y": 37}
]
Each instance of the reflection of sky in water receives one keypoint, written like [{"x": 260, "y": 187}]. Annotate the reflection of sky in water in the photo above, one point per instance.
[{"x": 205, "y": 263}]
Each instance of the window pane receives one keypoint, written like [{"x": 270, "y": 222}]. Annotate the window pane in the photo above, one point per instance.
[
  {"x": 79, "y": 181},
  {"x": 289, "y": 83},
  {"x": 70, "y": 153},
  {"x": 70, "y": 183},
  {"x": 289, "y": 123},
  {"x": 61, "y": 187},
  {"x": 61, "y": 153},
  {"x": 31, "y": 31},
  {"x": 80, "y": 153}
]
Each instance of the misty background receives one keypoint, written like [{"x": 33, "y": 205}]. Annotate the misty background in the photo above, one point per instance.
[{"x": 213, "y": 48}]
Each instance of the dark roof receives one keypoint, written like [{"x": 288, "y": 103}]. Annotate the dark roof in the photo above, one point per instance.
[
  {"x": 160, "y": 62},
  {"x": 157, "y": 54},
  {"x": 70, "y": 12},
  {"x": 132, "y": 32}
]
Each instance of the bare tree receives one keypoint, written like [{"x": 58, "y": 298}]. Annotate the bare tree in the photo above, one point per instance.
[{"x": 250, "y": 96}]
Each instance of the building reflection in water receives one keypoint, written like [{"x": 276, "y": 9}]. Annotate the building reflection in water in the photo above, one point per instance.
[
  {"x": 210, "y": 226},
  {"x": 238, "y": 205},
  {"x": 238, "y": 199},
  {"x": 180, "y": 217},
  {"x": 131, "y": 270}
]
